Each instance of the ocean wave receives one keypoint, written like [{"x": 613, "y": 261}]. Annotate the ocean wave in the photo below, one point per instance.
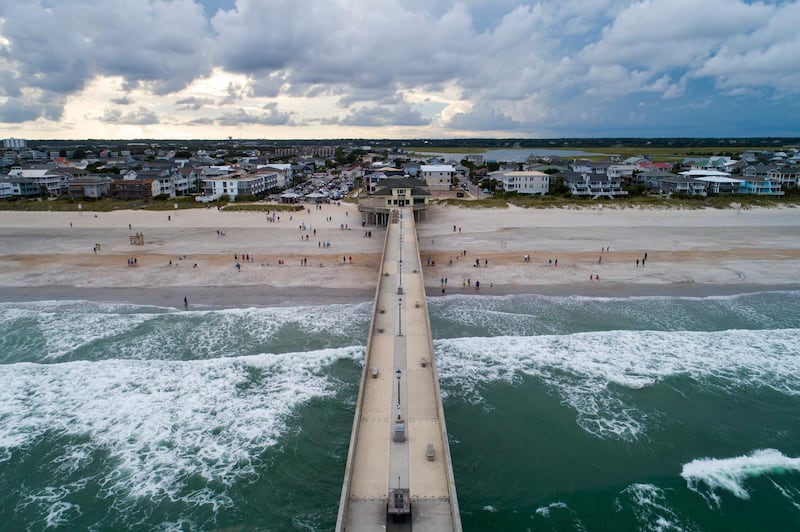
[
  {"x": 529, "y": 315},
  {"x": 544, "y": 511},
  {"x": 166, "y": 430},
  {"x": 595, "y": 373},
  {"x": 706, "y": 476},
  {"x": 559, "y": 516},
  {"x": 53, "y": 331}
]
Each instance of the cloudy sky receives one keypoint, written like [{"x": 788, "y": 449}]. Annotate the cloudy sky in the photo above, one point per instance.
[{"x": 398, "y": 68}]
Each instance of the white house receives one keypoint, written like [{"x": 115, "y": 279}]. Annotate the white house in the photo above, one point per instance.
[
  {"x": 232, "y": 185},
  {"x": 594, "y": 185},
  {"x": 437, "y": 176},
  {"x": 616, "y": 171},
  {"x": 286, "y": 168},
  {"x": 527, "y": 182},
  {"x": 48, "y": 181}
]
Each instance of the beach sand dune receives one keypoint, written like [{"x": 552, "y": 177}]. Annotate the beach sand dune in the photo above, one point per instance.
[{"x": 326, "y": 253}]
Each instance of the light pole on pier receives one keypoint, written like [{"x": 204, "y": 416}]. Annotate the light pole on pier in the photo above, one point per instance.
[
  {"x": 399, "y": 316},
  {"x": 398, "y": 373}
]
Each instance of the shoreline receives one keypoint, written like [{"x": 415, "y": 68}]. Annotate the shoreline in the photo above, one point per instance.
[
  {"x": 218, "y": 298},
  {"x": 199, "y": 298}
]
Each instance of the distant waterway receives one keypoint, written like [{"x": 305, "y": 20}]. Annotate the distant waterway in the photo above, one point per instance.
[
  {"x": 563, "y": 413},
  {"x": 514, "y": 155}
]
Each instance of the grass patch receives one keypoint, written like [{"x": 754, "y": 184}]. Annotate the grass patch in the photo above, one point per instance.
[
  {"x": 263, "y": 207},
  {"x": 486, "y": 203},
  {"x": 98, "y": 205},
  {"x": 634, "y": 202},
  {"x": 664, "y": 153},
  {"x": 453, "y": 149}
]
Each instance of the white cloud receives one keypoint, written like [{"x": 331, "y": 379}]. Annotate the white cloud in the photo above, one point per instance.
[
  {"x": 140, "y": 116},
  {"x": 419, "y": 66},
  {"x": 270, "y": 116}
]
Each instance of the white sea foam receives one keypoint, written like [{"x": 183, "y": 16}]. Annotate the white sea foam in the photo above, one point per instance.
[
  {"x": 650, "y": 507},
  {"x": 707, "y": 475},
  {"x": 50, "y": 502},
  {"x": 129, "y": 331},
  {"x": 544, "y": 511},
  {"x": 594, "y": 373},
  {"x": 164, "y": 425},
  {"x": 489, "y": 508}
]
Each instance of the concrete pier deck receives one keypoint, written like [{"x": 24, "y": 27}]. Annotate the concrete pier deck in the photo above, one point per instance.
[{"x": 387, "y": 468}]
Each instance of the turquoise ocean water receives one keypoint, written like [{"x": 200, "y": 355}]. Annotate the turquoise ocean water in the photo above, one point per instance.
[{"x": 564, "y": 413}]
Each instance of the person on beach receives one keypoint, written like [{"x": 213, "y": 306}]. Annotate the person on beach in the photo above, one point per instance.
[{"x": 185, "y": 302}]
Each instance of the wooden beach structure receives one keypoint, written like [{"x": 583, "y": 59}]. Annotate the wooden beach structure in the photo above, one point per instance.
[{"x": 399, "y": 474}]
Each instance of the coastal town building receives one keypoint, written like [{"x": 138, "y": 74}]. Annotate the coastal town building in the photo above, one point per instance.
[
  {"x": 587, "y": 166},
  {"x": 374, "y": 175},
  {"x": 236, "y": 185},
  {"x": 761, "y": 186},
  {"x": 525, "y": 182},
  {"x": 438, "y": 177},
  {"x": 132, "y": 189},
  {"x": 677, "y": 184},
  {"x": 786, "y": 176},
  {"x": 653, "y": 179},
  {"x": 594, "y": 185},
  {"x": 393, "y": 193},
  {"x": 46, "y": 181},
  {"x": 15, "y": 144},
  {"x": 93, "y": 187},
  {"x": 616, "y": 171}
]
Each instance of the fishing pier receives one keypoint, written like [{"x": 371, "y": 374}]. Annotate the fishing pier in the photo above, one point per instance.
[{"x": 399, "y": 474}]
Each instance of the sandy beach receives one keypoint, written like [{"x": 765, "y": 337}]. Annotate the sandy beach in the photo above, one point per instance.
[{"x": 325, "y": 256}]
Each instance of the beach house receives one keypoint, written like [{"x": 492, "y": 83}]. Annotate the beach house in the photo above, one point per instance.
[
  {"x": 525, "y": 182},
  {"x": 438, "y": 177}
]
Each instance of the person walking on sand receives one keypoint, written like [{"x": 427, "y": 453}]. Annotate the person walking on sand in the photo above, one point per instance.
[{"x": 185, "y": 302}]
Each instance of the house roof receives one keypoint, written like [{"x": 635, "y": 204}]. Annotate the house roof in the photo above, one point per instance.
[
  {"x": 681, "y": 179},
  {"x": 657, "y": 173},
  {"x": 437, "y": 168},
  {"x": 530, "y": 173},
  {"x": 718, "y": 179},
  {"x": 417, "y": 186},
  {"x": 705, "y": 173}
]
